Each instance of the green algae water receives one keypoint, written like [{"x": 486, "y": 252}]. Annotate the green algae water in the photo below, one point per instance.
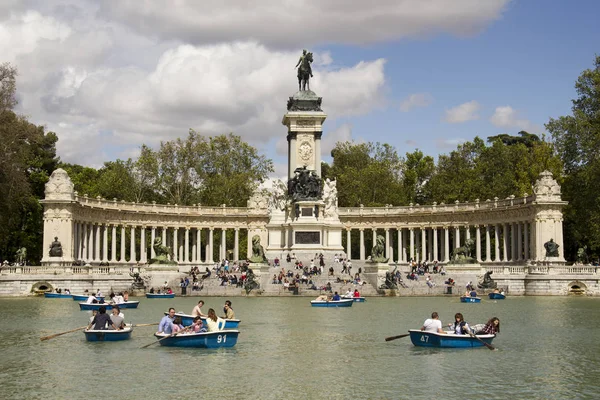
[{"x": 547, "y": 349}]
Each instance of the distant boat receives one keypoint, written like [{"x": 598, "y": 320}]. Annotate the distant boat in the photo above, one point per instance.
[
  {"x": 332, "y": 303},
  {"x": 496, "y": 296},
  {"x": 466, "y": 299},
  {"x": 96, "y": 306},
  {"x": 187, "y": 320},
  {"x": 355, "y": 299},
  {"x": 108, "y": 335},
  {"x": 57, "y": 296},
  {"x": 433, "y": 339},
  {"x": 160, "y": 295},
  {"x": 83, "y": 297},
  {"x": 208, "y": 340}
]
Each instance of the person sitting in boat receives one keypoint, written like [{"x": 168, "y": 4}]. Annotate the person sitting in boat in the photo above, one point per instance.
[
  {"x": 116, "y": 319},
  {"x": 198, "y": 326},
  {"x": 356, "y": 293},
  {"x": 433, "y": 324},
  {"x": 213, "y": 322},
  {"x": 166, "y": 323},
  {"x": 178, "y": 325},
  {"x": 197, "y": 311},
  {"x": 496, "y": 290},
  {"x": 101, "y": 320},
  {"x": 467, "y": 294},
  {"x": 229, "y": 314},
  {"x": 348, "y": 294},
  {"x": 460, "y": 327},
  {"x": 151, "y": 290},
  {"x": 473, "y": 293},
  {"x": 501, "y": 291},
  {"x": 91, "y": 300},
  {"x": 491, "y": 327},
  {"x": 336, "y": 297},
  {"x": 67, "y": 291},
  {"x": 99, "y": 293},
  {"x": 169, "y": 291},
  {"x": 322, "y": 297}
]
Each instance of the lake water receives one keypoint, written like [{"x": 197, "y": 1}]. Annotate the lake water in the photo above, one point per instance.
[{"x": 548, "y": 348}]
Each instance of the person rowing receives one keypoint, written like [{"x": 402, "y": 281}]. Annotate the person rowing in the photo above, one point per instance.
[
  {"x": 460, "y": 327},
  {"x": 101, "y": 320}
]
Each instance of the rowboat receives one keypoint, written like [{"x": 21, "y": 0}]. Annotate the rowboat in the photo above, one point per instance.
[
  {"x": 466, "y": 299},
  {"x": 108, "y": 335},
  {"x": 96, "y": 306},
  {"x": 57, "y": 296},
  {"x": 160, "y": 295},
  {"x": 188, "y": 320},
  {"x": 208, "y": 340},
  {"x": 433, "y": 339},
  {"x": 83, "y": 297},
  {"x": 332, "y": 303},
  {"x": 356, "y": 299},
  {"x": 496, "y": 296}
]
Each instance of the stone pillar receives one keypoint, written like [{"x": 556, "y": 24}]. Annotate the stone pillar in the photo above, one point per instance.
[
  {"x": 478, "y": 243},
  {"x": 75, "y": 240},
  {"x": 84, "y": 246},
  {"x": 349, "y": 243},
  {"x": 412, "y": 243},
  {"x": 97, "y": 245},
  {"x": 497, "y": 243},
  {"x": 467, "y": 232},
  {"x": 513, "y": 242},
  {"x": 175, "y": 244},
  {"x": 457, "y": 237},
  {"x": 113, "y": 244},
  {"x": 401, "y": 257},
  {"x": 122, "y": 258},
  {"x": 223, "y": 244},
  {"x": 526, "y": 241},
  {"x": 519, "y": 242},
  {"x": 374, "y": 232},
  {"x": 446, "y": 245},
  {"x": 152, "y": 239},
  {"x": 236, "y": 244},
  {"x": 186, "y": 247},
  {"x": 164, "y": 235},
  {"x": 488, "y": 250},
  {"x": 387, "y": 243},
  {"x": 423, "y": 244},
  {"x": 209, "y": 252},
  {"x": 199, "y": 245},
  {"x": 362, "y": 244},
  {"x": 505, "y": 243},
  {"x": 143, "y": 247},
  {"x": 105, "y": 243},
  {"x": 435, "y": 244},
  {"x": 132, "y": 253}
]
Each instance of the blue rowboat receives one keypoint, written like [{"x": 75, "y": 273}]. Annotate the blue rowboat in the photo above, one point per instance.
[
  {"x": 207, "y": 340},
  {"x": 496, "y": 296},
  {"x": 160, "y": 295},
  {"x": 83, "y": 297},
  {"x": 57, "y": 296},
  {"x": 433, "y": 339},
  {"x": 108, "y": 335},
  {"x": 96, "y": 306},
  {"x": 188, "y": 320},
  {"x": 332, "y": 303},
  {"x": 356, "y": 299},
  {"x": 465, "y": 299}
]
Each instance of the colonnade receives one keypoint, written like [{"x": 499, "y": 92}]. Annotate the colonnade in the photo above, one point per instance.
[
  {"x": 499, "y": 242},
  {"x": 97, "y": 242}
]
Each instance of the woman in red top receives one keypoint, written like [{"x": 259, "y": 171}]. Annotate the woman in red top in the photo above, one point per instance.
[{"x": 356, "y": 293}]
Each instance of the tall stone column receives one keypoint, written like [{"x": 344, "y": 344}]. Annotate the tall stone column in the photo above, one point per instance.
[
  {"x": 446, "y": 245},
  {"x": 223, "y": 244},
  {"x": 113, "y": 244},
  {"x": 143, "y": 247},
  {"x": 435, "y": 244},
  {"x": 362, "y": 244},
  {"x": 84, "y": 248},
  {"x": 186, "y": 247},
  {"x": 412, "y": 243},
  {"x": 401, "y": 257},
  {"x": 387, "y": 243},
  {"x": 97, "y": 245},
  {"x": 75, "y": 246},
  {"x": 349, "y": 243},
  {"x": 488, "y": 248},
  {"x": 199, "y": 245},
  {"x": 164, "y": 235},
  {"x": 152, "y": 239},
  {"x": 209, "y": 252},
  {"x": 505, "y": 243},
  {"x": 104, "y": 243},
  {"x": 497, "y": 243},
  {"x": 513, "y": 242},
  {"x": 519, "y": 242},
  {"x": 457, "y": 237},
  {"x": 423, "y": 244},
  {"x": 478, "y": 243},
  {"x": 236, "y": 244},
  {"x": 122, "y": 258},
  {"x": 374, "y": 232},
  {"x": 526, "y": 241},
  {"x": 132, "y": 253},
  {"x": 175, "y": 244}
]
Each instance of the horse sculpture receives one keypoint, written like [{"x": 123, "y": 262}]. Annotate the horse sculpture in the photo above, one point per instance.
[{"x": 305, "y": 71}]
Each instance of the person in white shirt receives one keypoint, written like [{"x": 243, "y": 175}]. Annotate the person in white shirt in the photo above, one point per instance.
[
  {"x": 348, "y": 294},
  {"x": 433, "y": 324},
  {"x": 91, "y": 299}
]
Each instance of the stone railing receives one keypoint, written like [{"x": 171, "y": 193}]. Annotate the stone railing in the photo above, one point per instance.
[
  {"x": 438, "y": 208},
  {"x": 123, "y": 206},
  {"x": 74, "y": 270}
]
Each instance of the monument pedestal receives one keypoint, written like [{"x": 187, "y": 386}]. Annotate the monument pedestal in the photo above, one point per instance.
[{"x": 57, "y": 262}]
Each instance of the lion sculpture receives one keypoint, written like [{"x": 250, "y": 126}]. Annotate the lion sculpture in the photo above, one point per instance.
[
  {"x": 258, "y": 252},
  {"x": 163, "y": 254},
  {"x": 378, "y": 252}
]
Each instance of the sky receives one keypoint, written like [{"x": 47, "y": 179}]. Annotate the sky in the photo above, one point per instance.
[{"x": 109, "y": 76}]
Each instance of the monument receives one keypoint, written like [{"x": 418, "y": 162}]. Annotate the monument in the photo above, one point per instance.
[{"x": 306, "y": 221}]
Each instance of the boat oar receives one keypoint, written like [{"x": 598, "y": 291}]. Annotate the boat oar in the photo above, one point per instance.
[
  {"x": 62, "y": 333},
  {"x": 387, "y": 339},
  {"x": 489, "y": 346},
  {"x": 166, "y": 337},
  {"x": 152, "y": 324}
]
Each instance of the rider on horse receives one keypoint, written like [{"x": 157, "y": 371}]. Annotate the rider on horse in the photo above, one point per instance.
[{"x": 305, "y": 70}]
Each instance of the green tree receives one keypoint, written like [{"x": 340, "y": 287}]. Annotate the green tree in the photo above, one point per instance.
[
  {"x": 417, "y": 172},
  {"x": 577, "y": 141},
  {"x": 8, "y": 87}
]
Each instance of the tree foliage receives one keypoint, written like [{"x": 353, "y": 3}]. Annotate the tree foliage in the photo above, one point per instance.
[{"x": 577, "y": 141}]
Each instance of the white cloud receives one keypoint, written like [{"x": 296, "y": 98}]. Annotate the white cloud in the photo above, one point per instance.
[
  {"x": 304, "y": 22},
  {"x": 462, "y": 113},
  {"x": 441, "y": 143},
  {"x": 508, "y": 117},
  {"x": 416, "y": 100},
  {"x": 342, "y": 133}
]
